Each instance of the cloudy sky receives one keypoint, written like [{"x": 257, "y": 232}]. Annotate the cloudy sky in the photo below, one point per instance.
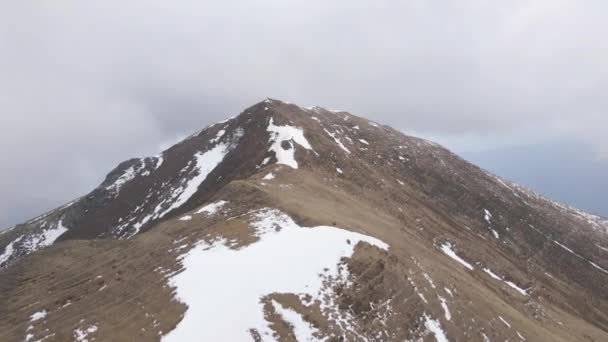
[{"x": 516, "y": 86}]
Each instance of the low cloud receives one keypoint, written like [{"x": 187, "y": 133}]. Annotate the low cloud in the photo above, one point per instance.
[{"x": 86, "y": 85}]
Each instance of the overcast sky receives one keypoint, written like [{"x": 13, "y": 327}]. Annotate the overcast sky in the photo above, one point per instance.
[{"x": 87, "y": 84}]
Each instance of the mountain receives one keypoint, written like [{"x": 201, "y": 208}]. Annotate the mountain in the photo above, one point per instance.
[{"x": 289, "y": 223}]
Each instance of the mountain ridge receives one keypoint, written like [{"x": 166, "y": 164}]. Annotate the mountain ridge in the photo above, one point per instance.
[{"x": 324, "y": 169}]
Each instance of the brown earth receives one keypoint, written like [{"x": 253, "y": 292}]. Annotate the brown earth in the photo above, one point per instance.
[{"x": 121, "y": 286}]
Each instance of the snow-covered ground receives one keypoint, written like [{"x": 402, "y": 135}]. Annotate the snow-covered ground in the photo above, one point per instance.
[
  {"x": 223, "y": 287},
  {"x": 289, "y": 134}
]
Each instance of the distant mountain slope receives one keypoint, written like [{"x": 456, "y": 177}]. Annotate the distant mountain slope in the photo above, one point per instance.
[{"x": 289, "y": 223}]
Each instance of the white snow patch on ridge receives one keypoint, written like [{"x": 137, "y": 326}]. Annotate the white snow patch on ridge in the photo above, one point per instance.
[
  {"x": 212, "y": 208},
  {"x": 33, "y": 242},
  {"x": 446, "y": 248},
  {"x": 9, "y": 250},
  {"x": 214, "y": 296},
  {"x": 205, "y": 163},
  {"x": 46, "y": 238},
  {"x": 127, "y": 176},
  {"x": 279, "y": 134}
]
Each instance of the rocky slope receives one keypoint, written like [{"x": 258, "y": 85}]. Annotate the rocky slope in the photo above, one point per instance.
[{"x": 289, "y": 223}]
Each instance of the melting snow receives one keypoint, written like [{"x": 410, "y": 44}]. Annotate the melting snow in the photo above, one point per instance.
[
  {"x": 338, "y": 142},
  {"x": 364, "y": 141},
  {"x": 9, "y": 250},
  {"x": 446, "y": 309},
  {"x": 504, "y": 321},
  {"x": 34, "y": 242},
  {"x": 127, "y": 175},
  {"x": 212, "y": 208},
  {"x": 434, "y": 327},
  {"x": 81, "y": 334},
  {"x": 302, "y": 330},
  {"x": 488, "y": 218},
  {"x": 516, "y": 288},
  {"x": 219, "y": 135},
  {"x": 447, "y": 249},
  {"x": 159, "y": 161},
  {"x": 509, "y": 283},
  {"x": 269, "y": 176},
  {"x": 38, "y": 316},
  {"x": 373, "y": 124},
  {"x": 210, "y": 291},
  {"x": 279, "y": 134},
  {"x": 50, "y": 235},
  {"x": 205, "y": 163},
  {"x": 492, "y": 274},
  {"x": 339, "y": 170},
  {"x": 186, "y": 218},
  {"x": 430, "y": 280},
  {"x": 598, "y": 267}
]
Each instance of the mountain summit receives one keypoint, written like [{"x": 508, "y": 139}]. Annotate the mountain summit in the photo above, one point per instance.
[{"x": 303, "y": 224}]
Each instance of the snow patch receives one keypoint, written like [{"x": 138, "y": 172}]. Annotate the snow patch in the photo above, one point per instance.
[
  {"x": 219, "y": 135},
  {"x": 446, "y": 309},
  {"x": 210, "y": 291},
  {"x": 338, "y": 142},
  {"x": 509, "y": 283},
  {"x": 488, "y": 218},
  {"x": 435, "y": 328},
  {"x": 9, "y": 250},
  {"x": 269, "y": 176},
  {"x": 363, "y": 141},
  {"x": 492, "y": 274},
  {"x": 430, "y": 280},
  {"x": 34, "y": 242},
  {"x": 127, "y": 176},
  {"x": 205, "y": 163},
  {"x": 212, "y": 208},
  {"x": 38, "y": 316},
  {"x": 290, "y": 134},
  {"x": 504, "y": 321},
  {"x": 598, "y": 267},
  {"x": 302, "y": 330},
  {"x": 185, "y": 218},
  {"x": 446, "y": 248},
  {"x": 82, "y": 334}
]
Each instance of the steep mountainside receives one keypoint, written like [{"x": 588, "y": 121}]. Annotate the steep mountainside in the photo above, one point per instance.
[{"x": 289, "y": 223}]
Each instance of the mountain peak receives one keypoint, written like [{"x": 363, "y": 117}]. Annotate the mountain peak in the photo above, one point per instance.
[{"x": 382, "y": 237}]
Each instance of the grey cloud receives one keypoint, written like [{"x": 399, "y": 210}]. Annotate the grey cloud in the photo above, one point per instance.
[{"x": 88, "y": 84}]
